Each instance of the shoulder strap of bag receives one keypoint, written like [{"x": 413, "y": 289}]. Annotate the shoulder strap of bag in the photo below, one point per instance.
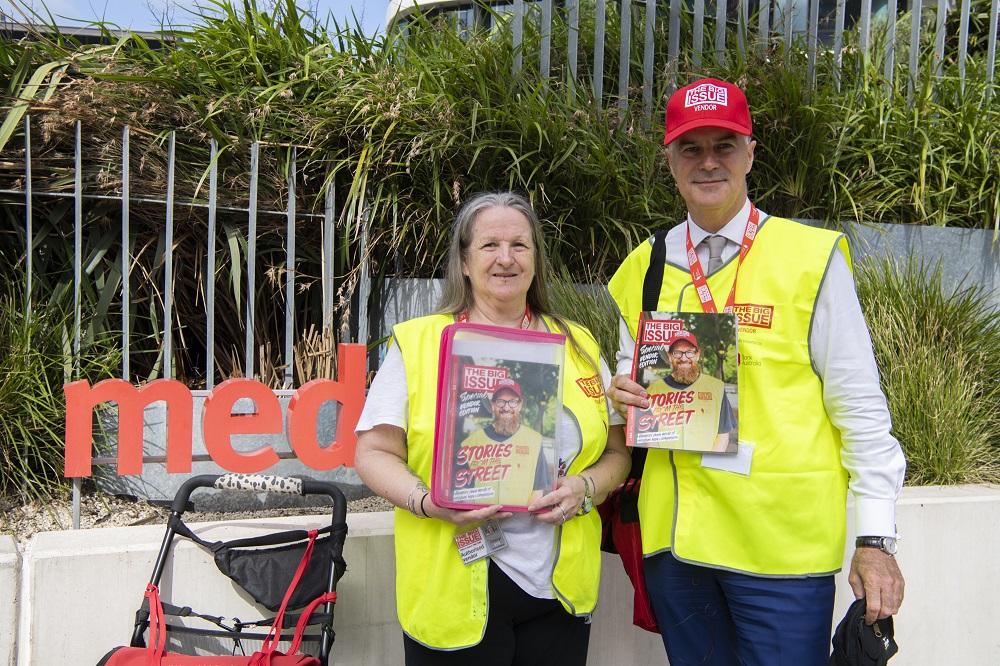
[
  {"x": 652, "y": 283},
  {"x": 274, "y": 635}
]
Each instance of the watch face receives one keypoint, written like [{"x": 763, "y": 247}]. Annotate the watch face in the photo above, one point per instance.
[{"x": 889, "y": 545}]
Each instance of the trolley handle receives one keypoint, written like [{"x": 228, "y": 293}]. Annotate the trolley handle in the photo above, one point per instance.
[{"x": 259, "y": 483}]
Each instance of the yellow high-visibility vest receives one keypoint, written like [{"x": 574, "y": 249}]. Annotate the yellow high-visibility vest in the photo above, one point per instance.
[
  {"x": 788, "y": 517},
  {"x": 441, "y": 602}
]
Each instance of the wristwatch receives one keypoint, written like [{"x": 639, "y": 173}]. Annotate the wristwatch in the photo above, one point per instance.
[
  {"x": 886, "y": 544},
  {"x": 588, "y": 501}
]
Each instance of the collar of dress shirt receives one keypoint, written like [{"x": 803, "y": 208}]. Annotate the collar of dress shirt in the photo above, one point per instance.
[{"x": 733, "y": 231}]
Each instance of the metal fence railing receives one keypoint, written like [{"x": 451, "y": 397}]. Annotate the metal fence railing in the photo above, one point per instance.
[
  {"x": 291, "y": 329},
  {"x": 709, "y": 29}
]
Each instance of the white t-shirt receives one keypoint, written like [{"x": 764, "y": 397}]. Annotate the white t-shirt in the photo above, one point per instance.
[{"x": 530, "y": 556}]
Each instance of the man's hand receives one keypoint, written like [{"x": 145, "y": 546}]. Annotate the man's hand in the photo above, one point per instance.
[
  {"x": 876, "y": 576},
  {"x": 625, "y": 392}
]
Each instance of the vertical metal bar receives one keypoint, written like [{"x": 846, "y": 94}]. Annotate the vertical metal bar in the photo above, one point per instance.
[
  {"x": 77, "y": 250},
  {"x": 213, "y": 202},
  {"x": 29, "y": 243},
  {"x": 126, "y": 257},
  {"x": 517, "y": 31},
  {"x": 600, "y": 23},
  {"x": 329, "y": 229},
  {"x": 916, "y": 9},
  {"x": 763, "y": 28},
  {"x": 624, "y": 55},
  {"x": 29, "y": 231},
  {"x": 889, "y": 69},
  {"x": 698, "y": 33},
  {"x": 963, "y": 43},
  {"x": 648, "y": 54},
  {"x": 838, "y": 42},
  {"x": 573, "y": 44},
  {"x": 168, "y": 265},
  {"x": 77, "y": 279},
  {"x": 812, "y": 40},
  {"x": 720, "y": 31},
  {"x": 544, "y": 58},
  {"x": 364, "y": 280},
  {"x": 992, "y": 50},
  {"x": 786, "y": 18},
  {"x": 290, "y": 273},
  {"x": 674, "y": 41},
  {"x": 743, "y": 28},
  {"x": 251, "y": 257},
  {"x": 865, "y": 36},
  {"x": 942, "y": 11},
  {"x": 77, "y": 490}
]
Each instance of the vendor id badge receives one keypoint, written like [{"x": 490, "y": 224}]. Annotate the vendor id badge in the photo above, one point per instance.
[{"x": 480, "y": 541}]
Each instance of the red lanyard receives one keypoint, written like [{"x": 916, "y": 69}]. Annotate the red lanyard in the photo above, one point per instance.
[
  {"x": 525, "y": 323},
  {"x": 698, "y": 275}
]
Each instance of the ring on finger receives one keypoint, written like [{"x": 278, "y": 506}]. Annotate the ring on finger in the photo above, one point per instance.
[{"x": 563, "y": 512}]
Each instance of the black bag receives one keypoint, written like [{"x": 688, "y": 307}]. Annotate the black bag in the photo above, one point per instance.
[
  {"x": 620, "y": 511},
  {"x": 858, "y": 644}
]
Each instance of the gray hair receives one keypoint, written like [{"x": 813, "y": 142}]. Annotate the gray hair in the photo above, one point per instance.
[{"x": 457, "y": 296}]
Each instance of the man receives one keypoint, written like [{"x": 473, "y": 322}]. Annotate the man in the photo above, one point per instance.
[
  {"x": 506, "y": 455},
  {"x": 704, "y": 417},
  {"x": 740, "y": 551}
]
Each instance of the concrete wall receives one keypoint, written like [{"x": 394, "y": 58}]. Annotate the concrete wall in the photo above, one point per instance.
[
  {"x": 10, "y": 572},
  {"x": 79, "y": 589}
]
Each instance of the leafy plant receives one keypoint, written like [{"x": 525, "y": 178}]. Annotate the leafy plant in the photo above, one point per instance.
[
  {"x": 939, "y": 355},
  {"x": 35, "y": 360}
]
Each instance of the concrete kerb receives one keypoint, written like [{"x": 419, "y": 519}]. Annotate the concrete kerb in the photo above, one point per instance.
[
  {"x": 10, "y": 572},
  {"x": 79, "y": 590}
]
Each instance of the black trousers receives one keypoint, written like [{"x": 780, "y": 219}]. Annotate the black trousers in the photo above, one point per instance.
[{"x": 521, "y": 630}]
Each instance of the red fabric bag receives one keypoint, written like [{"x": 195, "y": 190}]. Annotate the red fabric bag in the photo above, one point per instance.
[
  {"x": 154, "y": 655},
  {"x": 620, "y": 525}
]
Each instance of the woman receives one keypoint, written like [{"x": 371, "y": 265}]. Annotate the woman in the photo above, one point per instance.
[{"x": 530, "y": 602}]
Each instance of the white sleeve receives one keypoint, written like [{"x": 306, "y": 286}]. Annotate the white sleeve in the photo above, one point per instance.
[
  {"x": 614, "y": 418},
  {"x": 626, "y": 348},
  {"x": 388, "y": 401},
  {"x": 841, "y": 350}
]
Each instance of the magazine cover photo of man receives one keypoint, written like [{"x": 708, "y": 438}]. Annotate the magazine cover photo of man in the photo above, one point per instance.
[
  {"x": 703, "y": 395},
  {"x": 520, "y": 471}
]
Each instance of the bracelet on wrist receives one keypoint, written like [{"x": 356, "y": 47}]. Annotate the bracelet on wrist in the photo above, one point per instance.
[
  {"x": 411, "y": 505},
  {"x": 422, "y": 509}
]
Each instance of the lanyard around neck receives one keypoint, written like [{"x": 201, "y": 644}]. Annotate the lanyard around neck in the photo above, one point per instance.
[
  {"x": 698, "y": 275},
  {"x": 463, "y": 317}
]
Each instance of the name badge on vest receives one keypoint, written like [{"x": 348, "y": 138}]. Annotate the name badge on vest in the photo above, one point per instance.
[
  {"x": 738, "y": 464},
  {"x": 480, "y": 541}
]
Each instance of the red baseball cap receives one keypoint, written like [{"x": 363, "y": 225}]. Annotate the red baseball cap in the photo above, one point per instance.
[
  {"x": 687, "y": 336},
  {"x": 707, "y": 103},
  {"x": 507, "y": 384}
]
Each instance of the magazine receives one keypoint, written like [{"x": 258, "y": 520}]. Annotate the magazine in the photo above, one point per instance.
[
  {"x": 498, "y": 416},
  {"x": 687, "y": 362}
]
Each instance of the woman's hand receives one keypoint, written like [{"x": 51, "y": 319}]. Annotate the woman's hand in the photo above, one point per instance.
[
  {"x": 563, "y": 503},
  {"x": 461, "y": 517},
  {"x": 624, "y": 392}
]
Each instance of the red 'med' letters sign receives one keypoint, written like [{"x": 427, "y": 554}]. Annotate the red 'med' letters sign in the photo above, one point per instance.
[{"x": 218, "y": 421}]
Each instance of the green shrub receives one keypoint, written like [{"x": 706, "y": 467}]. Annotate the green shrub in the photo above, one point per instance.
[
  {"x": 35, "y": 361},
  {"x": 939, "y": 356}
]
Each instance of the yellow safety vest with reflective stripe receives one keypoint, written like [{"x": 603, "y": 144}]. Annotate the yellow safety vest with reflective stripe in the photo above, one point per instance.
[
  {"x": 787, "y": 518},
  {"x": 441, "y": 602}
]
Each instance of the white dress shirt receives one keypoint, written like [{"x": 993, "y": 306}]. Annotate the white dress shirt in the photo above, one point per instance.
[{"x": 841, "y": 351}]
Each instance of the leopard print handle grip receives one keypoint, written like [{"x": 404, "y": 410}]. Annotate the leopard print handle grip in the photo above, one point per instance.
[{"x": 259, "y": 483}]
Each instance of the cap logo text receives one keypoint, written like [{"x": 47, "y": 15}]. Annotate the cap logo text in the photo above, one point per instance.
[{"x": 706, "y": 94}]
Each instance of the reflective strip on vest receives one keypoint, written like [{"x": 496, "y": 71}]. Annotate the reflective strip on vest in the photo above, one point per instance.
[
  {"x": 787, "y": 518},
  {"x": 440, "y": 602}
]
